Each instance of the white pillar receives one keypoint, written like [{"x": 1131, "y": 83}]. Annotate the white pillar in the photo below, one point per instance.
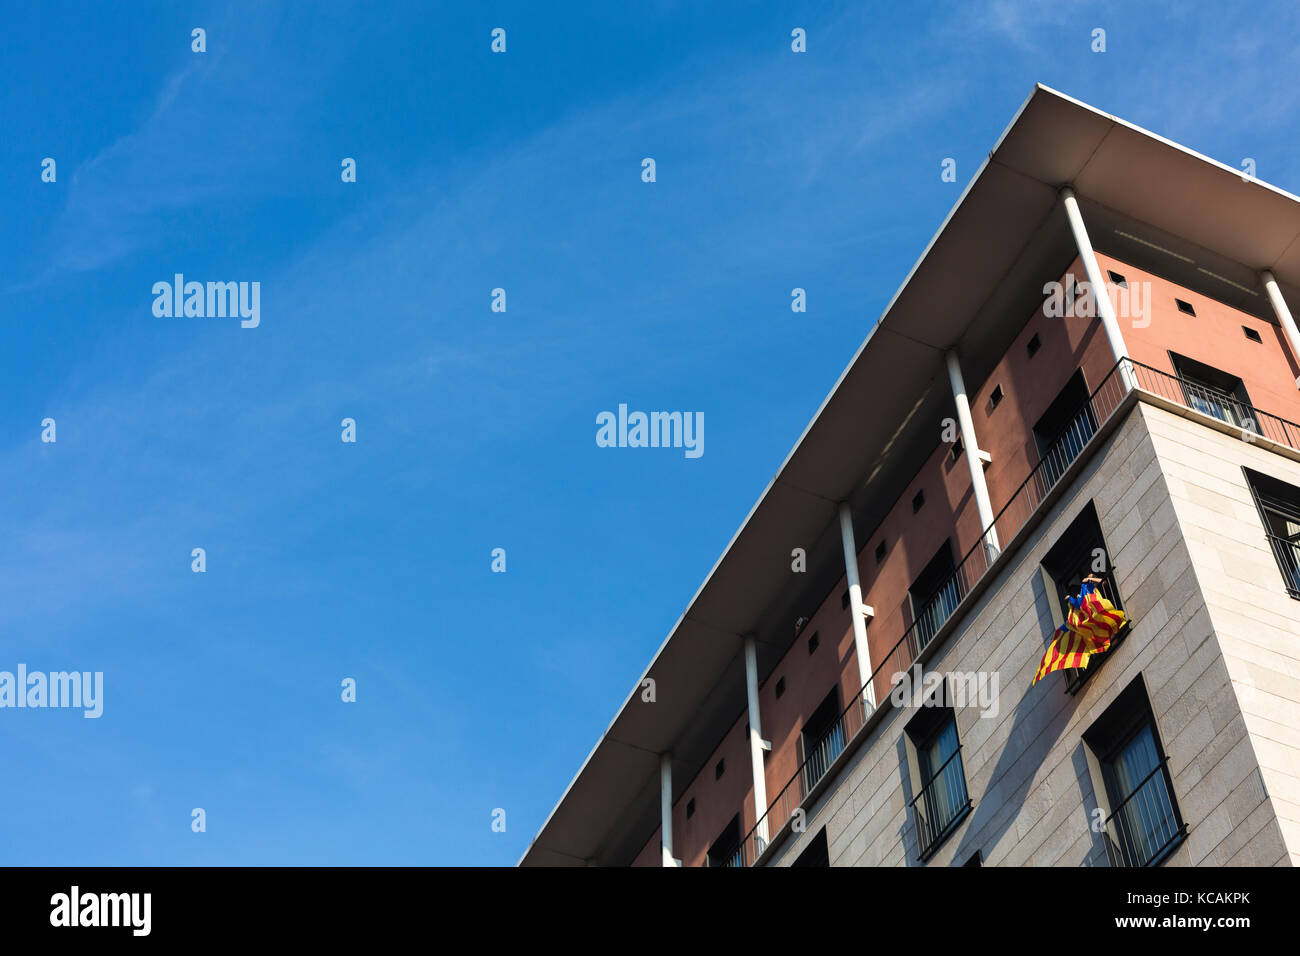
[
  {"x": 1100, "y": 294},
  {"x": 856, "y": 607},
  {"x": 666, "y": 808},
  {"x": 1283, "y": 314},
  {"x": 756, "y": 747},
  {"x": 974, "y": 457}
]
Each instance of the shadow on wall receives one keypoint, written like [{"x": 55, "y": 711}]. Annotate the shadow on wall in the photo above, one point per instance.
[
  {"x": 907, "y": 832},
  {"x": 998, "y": 807},
  {"x": 1093, "y": 814}
]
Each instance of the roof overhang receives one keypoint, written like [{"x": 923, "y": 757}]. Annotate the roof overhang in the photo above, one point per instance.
[{"x": 1144, "y": 198}]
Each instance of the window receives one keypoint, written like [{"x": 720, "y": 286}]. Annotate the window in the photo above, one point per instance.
[
  {"x": 1185, "y": 307},
  {"x": 813, "y": 642},
  {"x": 1062, "y": 431},
  {"x": 935, "y": 595},
  {"x": 816, "y": 853},
  {"x": 844, "y": 600},
  {"x": 1081, "y": 551},
  {"x": 995, "y": 397},
  {"x": 780, "y": 687},
  {"x": 934, "y": 755},
  {"x": 726, "y": 849},
  {"x": 1279, "y": 509},
  {"x": 690, "y": 808},
  {"x": 1131, "y": 779},
  {"x": 957, "y": 448},
  {"x": 720, "y": 769},
  {"x": 1213, "y": 392},
  {"x": 822, "y": 739},
  {"x": 1034, "y": 345},
  {"x": 1118, "y": 279},
  {"x": 919, "y": 501},
  {"x": 1251, "y": 334},
  {"x": 880, "y": 551}
]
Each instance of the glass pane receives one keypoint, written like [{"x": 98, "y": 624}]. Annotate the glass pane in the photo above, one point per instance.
[
  {"x": 943, "y": 747},
  {"x": 1212, "y": 401},
  {"x": 945, "y": 793}
]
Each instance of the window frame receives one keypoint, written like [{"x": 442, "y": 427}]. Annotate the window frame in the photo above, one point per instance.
[
  {"x": 1200, "y": 375},
  {"x": 1053, "y": 569},
  {"x": 1277, "y": 543},
  {"x": 920, "y": 735},
  {"x": 1109, "y": 735}
]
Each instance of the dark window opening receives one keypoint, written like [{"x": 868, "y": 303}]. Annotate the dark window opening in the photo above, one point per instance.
[
  {"x": 822, "y": 739},
  {"x": 1279, "y": 509},
  {"x": 935, "y": 594},
  {"x": 1251, "y": 334},
  {"x": 813, "y": 642},
  {"x": 1080, "y": 552},
  {"x": 957, "y": 448},
  {"x": 1144, "y": 825},
  {"x": 880, "y": 552},
  {"x": 780, "y": 687},
  {"x": 918, "y": 502},
  {"x": 1062, "y": 432},
  {"x": 942, "y": 802},
  {"x": 720, "y": 769},
  {"x": 1034, "y": 345},
  {"x": 726, "y": 849},
  {"x": 844, "y": 600},
  {"x": 690, "y": 808},
  {"x": 1213, "y": 392},
  {"x": 1118, "y": 279},
  {"x": 816, "y": 853},
  {"x": 1185, "y": 307},
  {"x": 995, "y": 397}
]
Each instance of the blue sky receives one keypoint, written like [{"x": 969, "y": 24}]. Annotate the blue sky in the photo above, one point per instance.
[{"x": 475, "y": 429}]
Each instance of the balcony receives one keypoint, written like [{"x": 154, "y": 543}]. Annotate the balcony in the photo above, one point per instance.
[
  {"x": 822, "y": 755},
  {"x": 1015, "y": 518},
  {"x": 1247, "y": 420},
  {"x": 933, "y": 616}
]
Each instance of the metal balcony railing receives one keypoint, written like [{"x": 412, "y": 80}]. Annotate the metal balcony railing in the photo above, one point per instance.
[
  {"x": 736, "y": 859},
  {"x": 939, "y": 609},
  {"x": 940, "y": 805},
  {"x": 1052, "y": 465},
  {"x": 823, "y": 754},
  {"x": 1066, "y": 448},
  {"x": 1145, "y": 827},
  {"x": 1217, "y": 404}
]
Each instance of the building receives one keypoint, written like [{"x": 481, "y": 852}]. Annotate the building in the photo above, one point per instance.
[{"x": 981, "y": 453}]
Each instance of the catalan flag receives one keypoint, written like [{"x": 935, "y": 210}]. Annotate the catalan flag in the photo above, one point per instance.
[{"x": 1087, "y": 630}]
